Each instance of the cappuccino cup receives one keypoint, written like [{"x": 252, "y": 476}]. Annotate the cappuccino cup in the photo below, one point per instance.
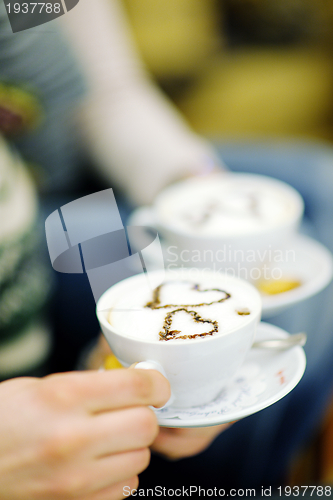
[
  {"x": 226, "y": 221},
  {"x": 196, "y": 327}
]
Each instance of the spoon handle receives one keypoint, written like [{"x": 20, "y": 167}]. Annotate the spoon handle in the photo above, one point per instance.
[{"x": 284, "y": 343}]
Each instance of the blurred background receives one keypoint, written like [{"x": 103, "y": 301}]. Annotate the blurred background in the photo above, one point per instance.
[{"x": 245, "y": 68}]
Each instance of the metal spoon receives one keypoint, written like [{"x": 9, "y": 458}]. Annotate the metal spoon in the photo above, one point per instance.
[{"x": 284, "y": 343}]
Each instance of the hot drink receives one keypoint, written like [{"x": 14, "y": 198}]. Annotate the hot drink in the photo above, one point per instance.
[
  {"x": 196, "y": 327},
  {"x": 230, "y": 222},
  {"x": 228, "y": 205},
  {"x": 183, "y": 309}
]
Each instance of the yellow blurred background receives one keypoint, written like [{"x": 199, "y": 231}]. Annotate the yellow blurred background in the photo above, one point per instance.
[{"x": 242, "y": 67}]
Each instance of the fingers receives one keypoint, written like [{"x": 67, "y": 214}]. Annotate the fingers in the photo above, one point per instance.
[
  {"x": 105, "y": 472},
  {"x": 180, "y": 443},
  {"x": 196, "y": 432},
  {"x": 135, "y": 428},
  {"x": 86, "y": 478},
  {"x": 17, "y": 385},
  {"x": 120, "y": 490},
  {"x": 109, "y": 390}
]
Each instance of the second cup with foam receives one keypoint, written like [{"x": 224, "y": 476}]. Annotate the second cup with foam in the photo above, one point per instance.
[{"x": 228, "y": 219}]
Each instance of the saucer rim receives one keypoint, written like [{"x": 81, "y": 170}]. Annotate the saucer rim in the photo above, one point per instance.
[
  {"x": 300, "y": 362},
  {"x": 274, "y": 304}
]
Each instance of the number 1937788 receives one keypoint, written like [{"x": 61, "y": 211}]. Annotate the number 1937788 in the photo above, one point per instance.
[
  {"x": 305, "y": 491},
  {"x": 33, "y": 7}
]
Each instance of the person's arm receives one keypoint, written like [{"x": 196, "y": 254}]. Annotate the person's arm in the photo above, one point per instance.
[
  {"x": 77, "y": 435},
  {"x": 136, "y": 136}
]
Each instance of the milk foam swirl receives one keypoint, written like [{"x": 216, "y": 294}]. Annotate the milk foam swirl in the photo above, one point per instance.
[
  {"x": 227, "y": 205},
  {"x": 183, "y": 309},
  {"x": 167, "y": 333},
  {"x": 155, "y": 303}
]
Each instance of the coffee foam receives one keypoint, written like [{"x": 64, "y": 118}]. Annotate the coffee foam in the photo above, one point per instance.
[
  {"x": 228, "y": 205},
  {"x": 130, "y": 315}
]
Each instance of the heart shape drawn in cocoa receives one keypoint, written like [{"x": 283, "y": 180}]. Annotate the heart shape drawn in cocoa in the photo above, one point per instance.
[
  {"x": 156, "y": 302},
  {"x": 168, "y": 334}
]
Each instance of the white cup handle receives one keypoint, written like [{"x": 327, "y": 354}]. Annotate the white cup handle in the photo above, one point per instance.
[
  {"x": 143, "y": 216},
  {"x": 153, "y": 365}
]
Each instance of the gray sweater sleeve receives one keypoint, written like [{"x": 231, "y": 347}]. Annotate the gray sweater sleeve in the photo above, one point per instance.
[{"x": 40, "y": 60}]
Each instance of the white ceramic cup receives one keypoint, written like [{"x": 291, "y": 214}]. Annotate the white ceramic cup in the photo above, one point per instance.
[
  {"x": 233, "y": 250},
  {"x": 199, "y": 368}
]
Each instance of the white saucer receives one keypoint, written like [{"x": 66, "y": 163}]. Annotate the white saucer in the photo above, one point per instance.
[
  {"x": 265, "y": 378},
  {"x": 311, "y": 263}
]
